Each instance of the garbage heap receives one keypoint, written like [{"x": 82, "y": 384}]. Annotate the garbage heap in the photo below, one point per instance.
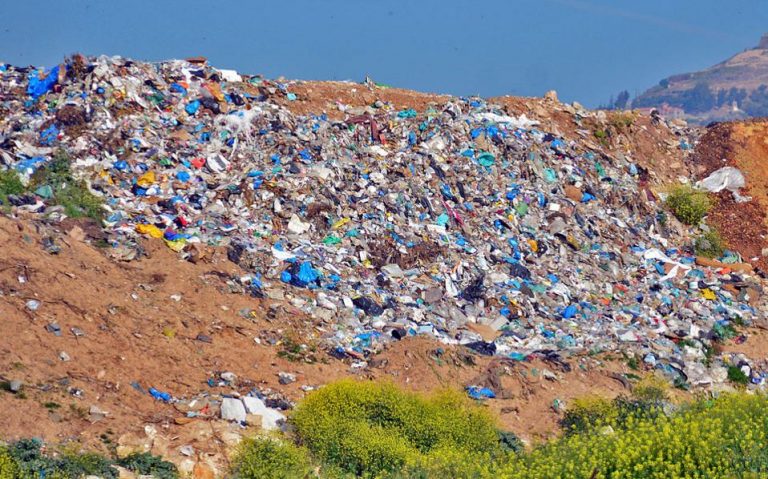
[{"x": 460, "y": 222}]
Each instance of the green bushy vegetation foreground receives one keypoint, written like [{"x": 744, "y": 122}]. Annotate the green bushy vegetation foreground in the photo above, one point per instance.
[
  {"x": 26, "y": 459},
  {"x": 373, "y": 430}
]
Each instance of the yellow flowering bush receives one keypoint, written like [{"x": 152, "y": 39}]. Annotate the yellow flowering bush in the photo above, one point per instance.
[
  {"x": 727, "y": 437},
  {"x": 8, "y": 469},
  {"x": 377, "y": 431},
  {"x": 270, "y": 458},
  {"x": 368, "y": 428}
]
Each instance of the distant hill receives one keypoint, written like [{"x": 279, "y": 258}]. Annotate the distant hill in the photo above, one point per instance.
[{"x": 734, "y": 89}]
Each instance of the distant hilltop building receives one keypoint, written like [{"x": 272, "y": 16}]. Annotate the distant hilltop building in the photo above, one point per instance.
[
  {"x": 711, "y": 93},
  {"x": 763, "y": 45}
]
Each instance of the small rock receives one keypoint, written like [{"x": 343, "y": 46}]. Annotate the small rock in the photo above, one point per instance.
[
  {"x": 160, "y": 446},
  {"x": 33, "y": 305},
  {"x": 15, "y": 385},
  {"x": 77, "y": 233},
  {"x": 551, "y": 95},
  {"x": 286, "y": 378},
  {"x": 228, "y": 377},
  {"x": 253, "y": 420},
  {"x": 96, "y": 414},
  {"x": 187, "y": 450},
  {"x": 64, "y": 356}
]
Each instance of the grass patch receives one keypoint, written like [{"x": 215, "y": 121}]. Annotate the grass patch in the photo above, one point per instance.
[
  {"x": 295, "y": 350},
  {"x": 146, "y": 464}
]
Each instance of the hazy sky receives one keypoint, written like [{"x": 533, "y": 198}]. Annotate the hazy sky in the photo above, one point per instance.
[{"x": 585, "y": 49}]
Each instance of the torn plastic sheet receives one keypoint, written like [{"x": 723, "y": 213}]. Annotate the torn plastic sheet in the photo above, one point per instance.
[
  {"x": 726, "y": 178},
  {"x": 658, "y": 255}
]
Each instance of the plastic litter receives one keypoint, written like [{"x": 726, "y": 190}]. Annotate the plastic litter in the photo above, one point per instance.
[
  {"x": 726, "y": 178},
  {"x": 480, "y": 393},
  {"x": 459, "y": 221}
]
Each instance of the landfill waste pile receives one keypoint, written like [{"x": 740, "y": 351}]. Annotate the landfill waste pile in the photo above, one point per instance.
[{"x": 462, "y": 223}]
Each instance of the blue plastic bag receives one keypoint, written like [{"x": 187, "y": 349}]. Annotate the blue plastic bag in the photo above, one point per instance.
[
  {"x": 192, "y": 107},
  {"x": 476, "y": 392},
  {"x": 38, "y": 87},
  {"x": 160, "y": 395}
]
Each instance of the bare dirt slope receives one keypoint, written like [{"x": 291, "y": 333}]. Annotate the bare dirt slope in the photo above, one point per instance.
[{"x": 743, "y": 145}]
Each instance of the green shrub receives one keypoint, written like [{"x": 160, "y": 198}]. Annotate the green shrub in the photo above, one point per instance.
[
  {"x": 736, "y": 375},
  {"x": 621, "y": 120},
  {"x": 75, "y": 465},
  {"x": 590, "y": 414},
  {"x": 10, "y": 184},
  {"x": 32, "y": 463},
  {"x": 29, "y": 458},
  {"x": 651, "y": 389},
  {"x": 372, "y": 428},
  {"x": 709, "y": 244},
  {"x": 69, "y": 192},
  {"x": 268, "y": 458},
  {"x": 587, "y": 414},
  {"x": 26, "y": 460},
  {"x": 510, "y": 442},
  {"x": 688, "y": 204},
  {"x": 147, "y": 464}
]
